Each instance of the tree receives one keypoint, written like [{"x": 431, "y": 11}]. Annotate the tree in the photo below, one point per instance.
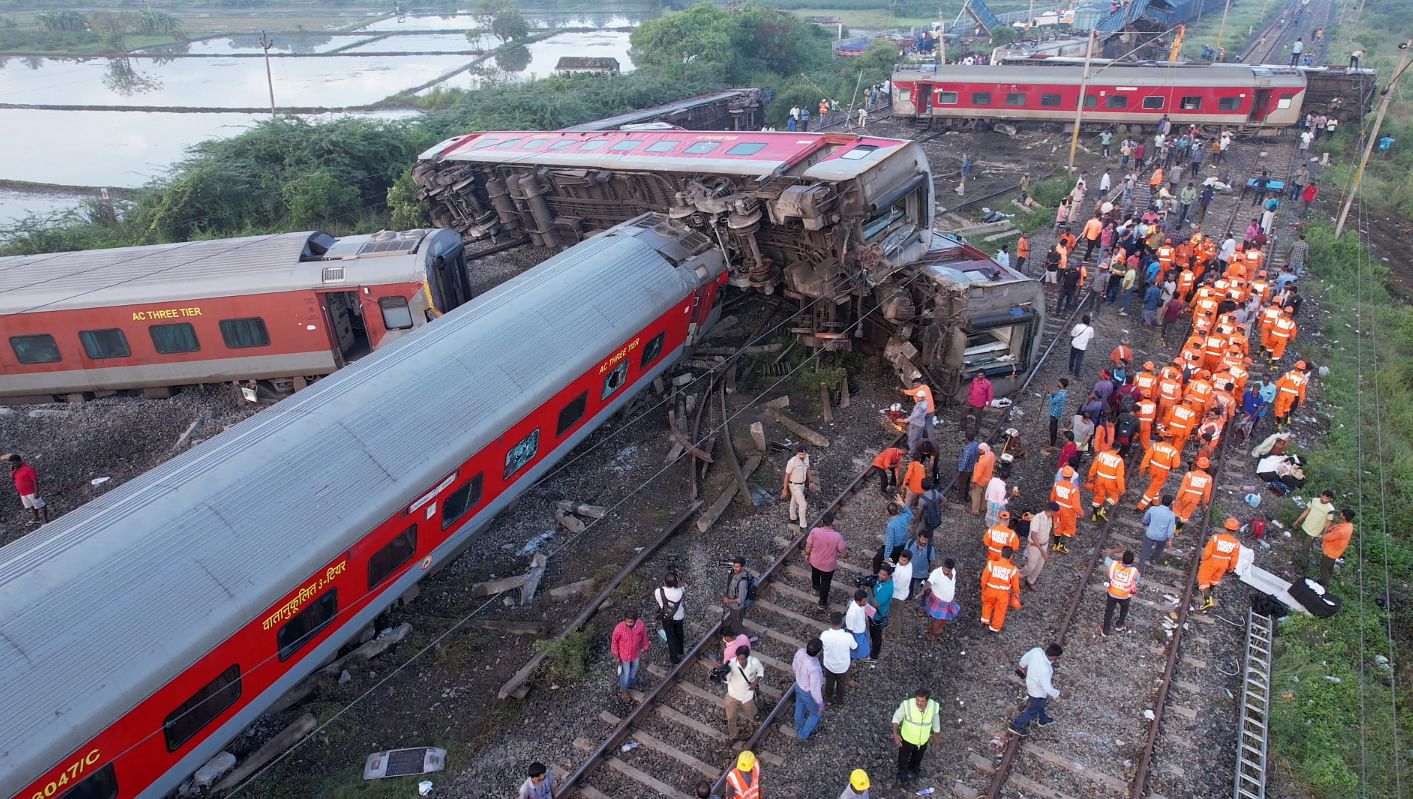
[
  {"x": 156, "y": 23},
  {"x": 112, "y": 27},
  {"x": 503, "y": 20},
  {"x": 697, "y": 42},
  {"x": 514, "y": 58},
  {"x": 405, "y": 204},
  {"x": 777, "y": 41},
  {"x": 69, "y": 21},
  {"x": 317, "y": 199}
]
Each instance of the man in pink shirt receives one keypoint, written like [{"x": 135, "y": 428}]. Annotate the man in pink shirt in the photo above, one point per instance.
[
  {"x": 979, "y": 395},
  {"x": 824, "y": 547},
  {"x": 628, "y": 644}
]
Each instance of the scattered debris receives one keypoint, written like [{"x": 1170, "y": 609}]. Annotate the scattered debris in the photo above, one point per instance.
[
  {"x": 798, "y": 429},
  {"x": 404, "y": 763},
  {"x": 282, "y": 741}
]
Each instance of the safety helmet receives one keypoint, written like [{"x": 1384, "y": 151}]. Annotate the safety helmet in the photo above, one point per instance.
[
  {"x": 1232, "y": 524},
  {"x": 1301, "y": 365},
  {"x": 1148, "y": 365},
  {"x": 858, "y": 780},
  {"x": 746, "y": 760},
  {"x": 1068, "y": 471},
  {"x": 1203, "y": 462}
]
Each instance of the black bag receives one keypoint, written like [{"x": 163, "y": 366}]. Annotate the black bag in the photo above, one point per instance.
[
  {"x": 719, "y": 673},
  {"x": 1321, "y": 606},
  {"x": 931, "y": 509},
  {"x": 1267, "y": 605}
]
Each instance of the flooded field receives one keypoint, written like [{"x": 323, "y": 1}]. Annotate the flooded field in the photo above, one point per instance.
[
  {"x": 468, "y": 21},
  {"x": 538, "y": 59}
]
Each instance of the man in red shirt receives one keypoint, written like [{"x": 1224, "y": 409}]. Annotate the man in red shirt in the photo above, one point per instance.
[
  {"x": 628, "y": 643},
  {"x": 27, "y": 485}
]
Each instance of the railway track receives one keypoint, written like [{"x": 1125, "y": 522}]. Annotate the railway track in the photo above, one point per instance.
[
  {"x": 674, "y": 722},
  {"x": 1108, "y": 763}
]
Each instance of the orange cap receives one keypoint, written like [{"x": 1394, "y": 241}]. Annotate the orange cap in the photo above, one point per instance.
[
  {"x": 1068, "y": 471},
  {"x": 1203, "y": 462},
  {"x": 1232, "y": 524}
]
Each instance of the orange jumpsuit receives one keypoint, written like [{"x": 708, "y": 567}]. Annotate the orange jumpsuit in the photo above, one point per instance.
[
  {"x": 1289, "y": 388},
  {"x": 1283, "y": 331},
  {"x": 1158, "y": 462},
  {"x": 1068, "y": 497},
  {"x": 1198, "y": 394},
  {"x": 1165, "y": 255},
  {"x": 1147, "y": 383},
  {"x": 1107, "y": 475},
  {"x": 1179, "y": 424},
  {"x": 1214, "y": 346},
  {"x": 997, "y": 538},
  {"x": 1209, "y": 434},
  {"x": 1185, "y": 281},
  {"x": 1000, "y": 590},
  {"x": 1195, "y": 492},
  {"x": 1267, "y": 321},
  {"x": 1218, "y": 558},
  {"x": 1169, "y": 394},
  {"x": 1103, "y": 437},
  {"x": 1147, "y": 412}
]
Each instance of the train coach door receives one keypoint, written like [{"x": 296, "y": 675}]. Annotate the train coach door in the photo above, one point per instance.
[
  {"x": 448, "y": 285},
  {"x": 1260, "y": 107},
  {"x": 922, "y": 98},
  {"x": 343, "y": 316}
]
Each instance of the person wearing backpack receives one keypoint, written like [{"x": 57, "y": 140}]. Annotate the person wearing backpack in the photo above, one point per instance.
[
  {"x": 740, "y": 591},
  {"x": 672, "y": 614},
  {"x": 929, "y": 508}
]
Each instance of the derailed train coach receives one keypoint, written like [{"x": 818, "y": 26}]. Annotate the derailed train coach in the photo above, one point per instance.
[{"x": 840, "y": 224}]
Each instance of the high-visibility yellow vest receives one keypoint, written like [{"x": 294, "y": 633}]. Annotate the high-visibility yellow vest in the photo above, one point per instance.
[{"x": 916, "y": 727}]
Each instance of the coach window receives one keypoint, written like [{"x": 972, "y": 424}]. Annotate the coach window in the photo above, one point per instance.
[
  {"x": 533, "y": 144},
  {"x": 615, "y": 379},
  {"x": 191, "y": 716},
  {"x": 858, "y": 153},
  {"x": 1116, "y": 101},
  {"x": 522, "y": 453},
  {"x": 35, "y": 349},
  {"x": 746, "y": 148},
  {"x": 702, "y": 147},
  {"x": 946, "y": 98},
  {"x": 109, "y": 343},
  {"x": 571, "y": 413},
  {"x": 507, "y": 144},
  {"x": 663, "y": 146},
  {"x": 101, "y": 784},
  {"x": 562, "y": 145},
  {"x": 653, "y": 350},
  {"x": 1050, "y": 100},
  {"x": 1015, "y": 98},
  {"x": 981, "y": 98},
  {"x": 396, "y": 314},
  {"x": 460, "y": 501},
  {"x": 1190, "y": 104},
  {"x": 1228, "y": 103},
  {"x": 483, "y": 144},
  {"x": 392, "y": 555},
  {"x": 1090, "y": 101},
  {"x": 307, "y": 623},
  {"x": 625, "y": 145},
  {"x": 1153, "y": 102},
  {"x": 172, "y": 339},
  {"x": 1284, "y": 102},
  {"x": 245, "y": 333}
]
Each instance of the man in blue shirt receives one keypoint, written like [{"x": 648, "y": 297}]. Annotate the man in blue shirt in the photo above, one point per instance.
[
  {"x": 1160, "y": 524},
  {"x": 895, "y": 535},
  {"x": 1056, "y": 400},
  {"x": 970, "y": 452},
  {"x": 923, "y": 553},
  {"x": 1151, "y": 300},
  {"x": 883, "y": 600}
]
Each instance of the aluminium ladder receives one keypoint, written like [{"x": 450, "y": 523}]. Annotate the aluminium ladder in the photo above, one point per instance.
[{"x": 1250, "y": 780}]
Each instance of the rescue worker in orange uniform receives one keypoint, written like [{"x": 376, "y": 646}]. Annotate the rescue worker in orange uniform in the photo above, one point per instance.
[
  {"x": 1147, "y": 381},
  {"x": 1158, "y": 462},
  {"x": 1067, "y": 495},
  {"x": 1122, "y": 585},
  {"x": 1290, "y": 393},
  {"x": 1283, "y": 331},
  {"x": 1214, "y": 346},
  {"x": 1267, "y": 323},
  {"x": 743, "y": 781},
  {"x": 1106, "y": 480},
  {"x": 1000, "y": 536},
  {"x": 1147, "y": 412},
  {"x": 1000, "y": 590},
  {"x": 1218, "y": 558},
  {"x": 1179, "y": 424},
  {"x": 1165, "y": 255},
  {"x": 1186, "y": 280},
  {"x": 1169, "y": 391},
  {"x": 1199, "y": 391},
  {"x": 1209, "y": 434},
  {"x": 1194, "y": 493}
]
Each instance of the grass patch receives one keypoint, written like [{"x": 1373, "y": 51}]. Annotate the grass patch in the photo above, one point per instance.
[
  {"x": 1242, "y": 21},
  {"x": 1334, "y": 737},
  {"x": 566, "y": 658}
]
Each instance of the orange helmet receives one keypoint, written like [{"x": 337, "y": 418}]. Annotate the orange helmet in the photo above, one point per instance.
[
  {"x": 1232, "y": 524},
  {"x": 1301, "y": 365},
  {"x": 1289, "y": 309},
  {"x": 1149, "y": 365},
  {"x": 1068, "y": 471},
  {"x": 1203, "y": 462}
]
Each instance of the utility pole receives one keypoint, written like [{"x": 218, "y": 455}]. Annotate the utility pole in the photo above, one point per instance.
[
  {"x": 266, "y": 43},
  {"x": 1221, "y": 29},
  {"x": 1079, "y": 107},
  {"x": 1373, "y": 134},
  {"x": 941, "y": 34}
]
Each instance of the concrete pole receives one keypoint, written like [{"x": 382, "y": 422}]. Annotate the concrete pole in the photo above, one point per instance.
[
  {"x": 266, "y": 43},
  {"x": 1221, "y": 29},
  {"x": 941, "y": 34},
  {"x": 1373, "y": 135},
  {"x": 1079, "y": 107}
]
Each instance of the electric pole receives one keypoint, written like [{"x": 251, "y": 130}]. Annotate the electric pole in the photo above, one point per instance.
[
  {"x": 941, "y": 34},
  {"x": 1221, "y": 29},
  {"x": 266, "y": 43},
  {"x": 1403, "y": 53},
  {"x": 1079, "y": 108}
]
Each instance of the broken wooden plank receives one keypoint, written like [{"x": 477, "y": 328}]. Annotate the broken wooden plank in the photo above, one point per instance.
[
  {"x": 800, "y": 431},
  {"x": 758, "y": 437},
  {"x": 499, "y": 586},
  {"x": 273, "y": 748},
  {"x": 572, "y": 589},
  {"x": 844, "y": 398},
  {"x": 743, "y": 491},
  {"x": 511, "y": 627},
  {"x": 582, "y": 508},
  {"x": 538, "y": 563},
  {"x": 682, "y": 439},
  {"x": 714, "y": 511},
  {"x": 779, "y": 402},
  {"x": 522, "y": 676}
]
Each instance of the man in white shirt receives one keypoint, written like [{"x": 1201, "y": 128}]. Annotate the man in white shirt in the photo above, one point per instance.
[
  {"x": 741, "y": 683},
  {"x": 1104, "y": 183},
  {"x": 838, "y": 644},
  {"x": 1037, "y": 667},
  {"x": 941, "y": 598},
  {"x": 856, "y": 623},
  {"x": 1080, "y": 336},
  {"x": 1228, "y": 250},
  {"x": 903, "y": 576}
]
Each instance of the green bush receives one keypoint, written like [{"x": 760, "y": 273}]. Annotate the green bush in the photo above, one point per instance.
[{"x": 566, "y": 658}]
